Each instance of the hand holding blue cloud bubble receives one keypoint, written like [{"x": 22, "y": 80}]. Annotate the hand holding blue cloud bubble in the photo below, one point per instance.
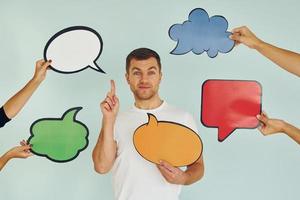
[
  {"x": 74, "y": 49},
  {"x": 201, "y": 33}
]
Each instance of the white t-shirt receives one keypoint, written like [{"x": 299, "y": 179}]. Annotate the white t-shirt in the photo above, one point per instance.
[{"x": 135, "y": 178}]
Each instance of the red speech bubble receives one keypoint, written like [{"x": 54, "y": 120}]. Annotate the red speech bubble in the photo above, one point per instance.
[{"x": 230, "y": 104}]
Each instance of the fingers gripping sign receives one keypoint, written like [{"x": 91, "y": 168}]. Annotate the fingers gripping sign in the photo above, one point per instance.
[
  {"x": 172, "y": 174},
  {"x": 269, "y": 126},
  {"x": 41, "y": 68},
  {"x": 245, "y": 36}
]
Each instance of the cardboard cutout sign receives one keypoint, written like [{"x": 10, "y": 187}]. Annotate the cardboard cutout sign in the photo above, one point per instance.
[
  {"x": 74, "y": 49},
  {"x": 59, "y": 139},
  {"x": 230, "y": 104},
  {"x": 169, "y": 141},
  {"x": 201, "y": 33}
]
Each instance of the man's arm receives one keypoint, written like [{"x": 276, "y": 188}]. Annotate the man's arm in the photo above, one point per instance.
[
  {"x": 16, "y": 152},
  {"x": 13, "y": 106},
  {"x": 104, "y": 153},
  {"x": 174, "y": 175},
  {"x": 273, "y": 126},
  {"x": 287, "y": 60}
]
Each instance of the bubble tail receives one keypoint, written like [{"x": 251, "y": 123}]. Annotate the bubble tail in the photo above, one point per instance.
[
  {"x": 224, "y": 132},
  {"x": 71, "y": 113},
  {"x": 95, "y": 66},
  {"x": 175, "y": 51},
  {"x": 180, "y": 49},
  {"x": 152, "y": 121},
  {"x": 29, "y": 140}
]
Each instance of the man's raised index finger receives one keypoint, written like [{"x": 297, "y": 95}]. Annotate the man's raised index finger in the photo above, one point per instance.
[{"x": 113, "y": 87}]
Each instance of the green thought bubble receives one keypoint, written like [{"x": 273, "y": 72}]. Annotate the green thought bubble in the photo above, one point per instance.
[{"x": 59, "y": 139}]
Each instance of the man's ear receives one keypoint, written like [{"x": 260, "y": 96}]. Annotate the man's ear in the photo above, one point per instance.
[
  {"x": 127, "y": 77},
  {"x": 160, "y": 76}
]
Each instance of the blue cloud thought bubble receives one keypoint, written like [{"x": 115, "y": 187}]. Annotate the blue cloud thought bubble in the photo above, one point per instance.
[{"x": 201, "y": 33}]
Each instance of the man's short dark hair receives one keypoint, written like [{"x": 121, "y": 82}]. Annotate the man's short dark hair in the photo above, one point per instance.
[{"x": 142, "y": 54}]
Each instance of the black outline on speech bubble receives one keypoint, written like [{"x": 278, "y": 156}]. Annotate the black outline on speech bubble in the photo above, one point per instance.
[
  {"x": 237, "y": 127},
  {"x": 56, "y": 119},
  {"x": 149, "y": 114},
  {"x": 206, "y": 50},
  {"x": 73, "y": 28}
]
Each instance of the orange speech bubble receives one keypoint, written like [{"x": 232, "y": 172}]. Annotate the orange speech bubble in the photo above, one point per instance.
[{"x": 168, "y": 141}]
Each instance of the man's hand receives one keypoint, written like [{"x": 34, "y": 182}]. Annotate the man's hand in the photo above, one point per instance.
[
  {"x": 245, "y": 36},
  {"x": 41, "y": 67},
  {"x": 110, "y": 105},
  {"x": 270, "y": 126},
  {"x": 172, "y": 174}
]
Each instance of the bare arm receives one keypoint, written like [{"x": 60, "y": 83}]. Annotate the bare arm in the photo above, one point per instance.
[
  {"x": 287, "y": 60},
  {"x": 3, "y": 160},
  {"x": 272, "y": 126},
  {"x": 13, "y": 106},
  {"x": 16, "y": 152},
  {"x": 104, "y": 153},
  {"x": 292, "y": 131},
  {"x": 194, "y": 172},
  {"x": 174, "y": 175}
]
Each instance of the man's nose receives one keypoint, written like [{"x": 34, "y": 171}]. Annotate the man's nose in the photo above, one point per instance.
[{"x": 144, "y": 78}]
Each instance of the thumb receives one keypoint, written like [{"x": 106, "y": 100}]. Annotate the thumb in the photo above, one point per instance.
[
  {"x": 26, "y": 147},
  {"x": 262, "y": 118},
  {"x": 166, "y": 165},
  {"x": 46, "y": 65},
  {"x": 236, "y": 37}
]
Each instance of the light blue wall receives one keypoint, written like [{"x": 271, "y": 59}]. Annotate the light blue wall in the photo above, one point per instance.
[{"x": 245, "y": 166}]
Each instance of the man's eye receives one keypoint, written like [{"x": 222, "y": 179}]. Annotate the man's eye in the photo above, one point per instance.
[
  {"x": 151, "y": 73},
  {"x": 136, "y": 73}
]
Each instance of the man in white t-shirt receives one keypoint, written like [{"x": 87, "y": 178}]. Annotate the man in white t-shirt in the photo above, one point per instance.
[{"x": 134, "y": 177}]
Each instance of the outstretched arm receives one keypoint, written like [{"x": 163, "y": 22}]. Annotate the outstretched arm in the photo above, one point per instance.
[
  {"x": 16, "y": 152},
  {"x": 272, "y": 126},
  {"x": 287, "y": 60},
  {"x": 13, "y": 106}
]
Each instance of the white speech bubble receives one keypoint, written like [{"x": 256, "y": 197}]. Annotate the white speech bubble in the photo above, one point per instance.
[{"x": 74, "y": 49}]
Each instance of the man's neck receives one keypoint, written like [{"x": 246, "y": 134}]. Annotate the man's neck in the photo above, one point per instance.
[{"x": 148, "y": 104}]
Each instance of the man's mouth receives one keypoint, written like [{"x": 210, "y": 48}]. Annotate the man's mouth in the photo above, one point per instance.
[{"x": 144, "y": 87}]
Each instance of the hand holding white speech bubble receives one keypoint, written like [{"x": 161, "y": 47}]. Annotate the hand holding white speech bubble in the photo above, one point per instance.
[{"x": 74, "y": 49}]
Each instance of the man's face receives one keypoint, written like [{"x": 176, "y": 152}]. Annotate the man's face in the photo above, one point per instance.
[{"x": 144, "y": 77}]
